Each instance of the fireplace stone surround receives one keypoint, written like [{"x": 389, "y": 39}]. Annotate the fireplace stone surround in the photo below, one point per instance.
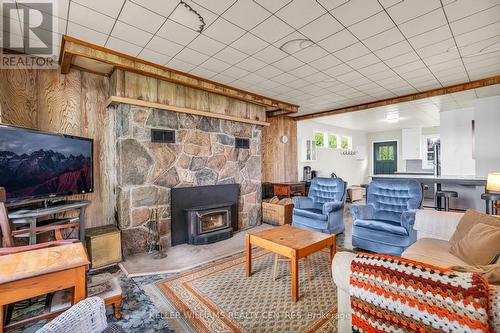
[{"x": 203, "y": 154}]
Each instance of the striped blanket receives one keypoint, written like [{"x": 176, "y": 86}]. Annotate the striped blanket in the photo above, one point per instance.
[{"x": 392, "y": 294}]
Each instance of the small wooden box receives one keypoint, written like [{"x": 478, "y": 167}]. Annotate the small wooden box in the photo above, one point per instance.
[
  {"x": 103, "y": 245},
  {"x": 276, "y": 214},
  {"x": 354, "y": 193}
]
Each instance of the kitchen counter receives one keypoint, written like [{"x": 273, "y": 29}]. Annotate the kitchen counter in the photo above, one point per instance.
[{"x": 444, "y": 179}]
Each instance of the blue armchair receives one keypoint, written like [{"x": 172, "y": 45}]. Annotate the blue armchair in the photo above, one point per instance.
[
  {"x": 323, "y": 209},
  {"x": 385, "y": 223}
]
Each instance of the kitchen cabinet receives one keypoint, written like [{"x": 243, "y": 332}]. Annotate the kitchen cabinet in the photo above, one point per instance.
[{"x": 412, "y": 143}]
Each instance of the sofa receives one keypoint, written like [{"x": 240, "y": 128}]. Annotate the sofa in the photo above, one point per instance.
[
  {"x": 433, "y": 230},
  {"x": 323, "y": 209},
  {"x": 385, "y": 223}
]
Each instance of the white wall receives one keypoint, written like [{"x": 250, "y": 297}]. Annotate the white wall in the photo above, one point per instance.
[
  {"x": 487, "y": 135},
  {"x": 351, "y": 169}
]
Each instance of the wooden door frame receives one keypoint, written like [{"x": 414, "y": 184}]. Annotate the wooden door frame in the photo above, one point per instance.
[{"x": 372, "y": 166}]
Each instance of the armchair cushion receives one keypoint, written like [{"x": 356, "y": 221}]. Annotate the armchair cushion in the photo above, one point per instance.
[
  {"x": 385, "y": 226},
  {"x": 311, "y": 213},
  {"x": 362, "y": 212}
]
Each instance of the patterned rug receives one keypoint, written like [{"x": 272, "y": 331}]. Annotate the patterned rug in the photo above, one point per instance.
[{"x": 219, "y": 297}]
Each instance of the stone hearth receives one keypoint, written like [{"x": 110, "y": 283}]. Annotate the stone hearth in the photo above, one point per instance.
[{"x": 203, "y": 154}]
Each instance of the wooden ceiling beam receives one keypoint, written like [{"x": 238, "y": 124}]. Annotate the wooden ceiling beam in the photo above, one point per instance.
[
  {"x": 72, "y": 47},
  {"x": 406, "y": 98}
]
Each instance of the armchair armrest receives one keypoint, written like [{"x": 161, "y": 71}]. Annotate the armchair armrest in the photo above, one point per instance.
[
  {"x": 408, "y": 219},
  {"x": 362, "y": 212},
  {"x": 332, "y": 206},
  {"x": 303, "y": 202}
]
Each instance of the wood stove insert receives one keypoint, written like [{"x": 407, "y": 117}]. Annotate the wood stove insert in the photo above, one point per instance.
[{"x": 209, "y": 224}]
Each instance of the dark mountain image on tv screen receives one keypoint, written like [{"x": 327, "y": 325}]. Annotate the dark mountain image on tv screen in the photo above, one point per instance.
[{"x": 34, "y": 164}]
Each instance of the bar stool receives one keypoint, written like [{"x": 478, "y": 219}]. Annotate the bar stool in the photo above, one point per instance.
[
  {"x": 446, "y": 195},
  {"x": 491, "y": 202}
]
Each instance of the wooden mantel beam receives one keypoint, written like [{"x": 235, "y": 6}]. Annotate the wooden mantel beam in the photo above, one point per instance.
[
  {"x": 406, "y": 98},
  {"x": 72, "y": 49}
]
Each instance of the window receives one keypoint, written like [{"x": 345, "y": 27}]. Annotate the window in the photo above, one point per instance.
[
  {"x": 319, "y": 139},
  {"x": 385, "y": 153},
  {"x": 332, "y": 141},
  {"x": 346, "y": 142}
]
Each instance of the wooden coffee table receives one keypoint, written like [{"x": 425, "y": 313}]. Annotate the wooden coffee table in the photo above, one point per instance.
[{"x": 293, "y": 243}]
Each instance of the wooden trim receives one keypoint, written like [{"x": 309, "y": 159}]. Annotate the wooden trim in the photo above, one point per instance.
[
  {"x": 91, "y": 71},
  {"x": 74, "y": 47},
  {"x": 407, "y": 98},
  {"x": 124, "y": 100}
]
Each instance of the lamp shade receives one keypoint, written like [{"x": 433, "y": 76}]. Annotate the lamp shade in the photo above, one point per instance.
[{"x": 493, "y": 184}]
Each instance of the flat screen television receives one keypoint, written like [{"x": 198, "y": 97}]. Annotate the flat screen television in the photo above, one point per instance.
[{"x": 36, "y": 164}]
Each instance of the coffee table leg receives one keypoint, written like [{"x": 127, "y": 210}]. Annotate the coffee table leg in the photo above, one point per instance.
[
  {"x": 295, "y": 277},
  {"x": 333, "y": 249},
  {"x": 249, "y": 256}
]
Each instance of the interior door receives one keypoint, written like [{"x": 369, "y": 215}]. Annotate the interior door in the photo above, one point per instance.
[{"x": 385, "y": 157}]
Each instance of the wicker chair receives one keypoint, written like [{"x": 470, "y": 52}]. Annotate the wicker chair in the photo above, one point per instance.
[{"x": 88, "y": 316}]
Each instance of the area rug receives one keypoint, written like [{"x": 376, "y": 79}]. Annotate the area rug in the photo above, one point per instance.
[{"x": 219, "y": 298}]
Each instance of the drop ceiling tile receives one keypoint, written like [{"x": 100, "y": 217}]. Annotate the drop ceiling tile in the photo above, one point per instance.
[
  {"x": 164, "y": 46},
  {"x": 384, "y": 39},
  {"x": 410, "y": 67},
  {"x": 338, "y": 70},
  {"x": 206, "y": 45},
  {"x": 478, "y": 34},
  {"x": 131, "y": 34},
  {"x": 351, "y": 52},
  {"x": 176, "y": 32},
  {"x": 355, "y": 11},
  {"x": 217, "y": 7},
  {"x": 389, "y": 3},
  {"x": 299, "y": 13},
  {"x": 230, "y": 55},
  {"x": 338, "y": 41},
  {"x": 325, "y": 62},
  {"x": 317, "y": 77},
  {"x": 224, "y": 31},
  {"x": 203, "y": 72},
  {"x": 445, "y": 57},
  {"x": 154, "y": 57},
  {"x": 310, "y": 54},
  {"x": 272, "y": 6},
  {"x": 191, "y": 56},
  {"x": 193, "y": 16},
  {"x": 432, "y": 37},
  {"x": 268, "y": 71},
  {"x": 363, "y": 61},
  {"x": 381, "y": 75},
  {"x": 272, "y": 30},
  {"x": 475, "y": 21},
  {"x": 288, "y": 63},
  {"x": 251, "y": 64},
  {"x": 332, "y": 4},
  {"x": 215, "y": 65},
  {"x": 298, "y": 84},
  {"x": 235, "y": 72},
  {"x": 140, "y": 17},
  {"x": 284, "y": 78},
  {"x": 268, "y": 84},
  {"x": 375, "y": 68},
  {"x": 424, "y": 23},
  {"x": 303, "y": 71},
  {"x": 270, "y": 54},
  {"x": 253, "y": 78},
  {"x": 161, "y": 7},
  {"x": 372, "y": 26},
  {"x": 123, "y": 46},
  {"x": 459, "y": 9},
  {"x": 249, "y": 44},
  {"x": 246, "y": 14},
  {"x": 394, "y": 50},
  {"x": 321, "y": 28},
  {"x": 417, "y": 75},
  {"x": 226, "y": 80},
  {"x": 86, "y": 34},
  {"x": 90, "y": 18},
  {"x": 180, "y": 65},
  {"x": 402, "y": 59},
  {"x": 347, "y": 77},
  {"x": 436, "y": 48},
  {"x": 111, "y": 8},
  {"x": 410, "y": 9}
]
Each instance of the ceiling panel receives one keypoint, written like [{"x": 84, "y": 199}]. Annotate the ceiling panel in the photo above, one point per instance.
[{"x": 317, "y": 53}]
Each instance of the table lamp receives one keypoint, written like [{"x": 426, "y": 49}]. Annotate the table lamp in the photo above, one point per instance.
[{"x": 493, "y": 183}]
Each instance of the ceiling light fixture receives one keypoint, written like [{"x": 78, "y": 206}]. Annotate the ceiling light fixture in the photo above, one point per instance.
[
  {"x": 392, "y": 117},
  {"x": 296, "y": 45},
  {"x": 190, "y": 17}
]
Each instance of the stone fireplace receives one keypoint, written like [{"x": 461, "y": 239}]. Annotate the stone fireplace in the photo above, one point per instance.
[{"x": 203, "y": 154}]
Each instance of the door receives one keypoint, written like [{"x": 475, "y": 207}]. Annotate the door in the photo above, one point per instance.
[{"x": 385, "y": 157}]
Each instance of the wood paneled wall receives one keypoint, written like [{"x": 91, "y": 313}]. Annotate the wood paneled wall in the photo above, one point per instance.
[
  {"x": 132, "y": 85},
  {"x": 279, "y": 160},
  {"x": 72, "y": 104}
]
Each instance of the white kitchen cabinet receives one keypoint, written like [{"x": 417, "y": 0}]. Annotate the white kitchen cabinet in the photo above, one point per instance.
[{"x": 412, "y": 143}]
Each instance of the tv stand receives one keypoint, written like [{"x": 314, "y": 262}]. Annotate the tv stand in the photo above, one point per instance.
[
  {"x": 52, "y": 203},
  {"x": 31, "y": 214}
]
